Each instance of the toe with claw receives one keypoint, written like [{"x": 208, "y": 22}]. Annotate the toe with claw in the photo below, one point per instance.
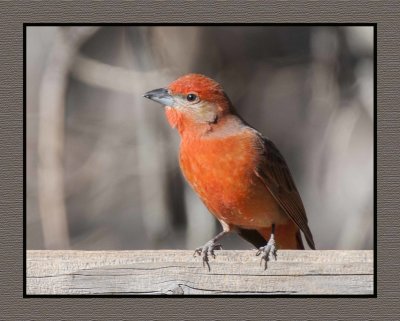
[
  {"x": 267, "y": 251},
  {"x": 207, "y": 250}
]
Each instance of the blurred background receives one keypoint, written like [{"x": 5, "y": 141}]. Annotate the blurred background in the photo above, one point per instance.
[{"x": 101, "y": 160}]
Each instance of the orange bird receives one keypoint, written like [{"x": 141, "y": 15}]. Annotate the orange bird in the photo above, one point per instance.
[{"x": 239, "y": 174}]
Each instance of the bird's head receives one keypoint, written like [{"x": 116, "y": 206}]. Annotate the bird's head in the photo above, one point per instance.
[{"x": 192, "y": 100}]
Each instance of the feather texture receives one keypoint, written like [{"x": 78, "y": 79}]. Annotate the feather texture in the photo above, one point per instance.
[{"x": 275, "y": 174}]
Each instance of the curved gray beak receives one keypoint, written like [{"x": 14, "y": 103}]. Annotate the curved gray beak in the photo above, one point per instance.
[{"x": 161, "y": 96}]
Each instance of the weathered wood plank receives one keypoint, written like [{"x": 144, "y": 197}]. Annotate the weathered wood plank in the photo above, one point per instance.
[{"x": 178, "y": 272}]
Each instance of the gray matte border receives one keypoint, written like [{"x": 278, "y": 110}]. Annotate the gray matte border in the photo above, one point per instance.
[{"x": 14, "y": 306}]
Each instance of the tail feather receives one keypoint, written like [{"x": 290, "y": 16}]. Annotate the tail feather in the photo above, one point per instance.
[{"x": 299, "y": 240}]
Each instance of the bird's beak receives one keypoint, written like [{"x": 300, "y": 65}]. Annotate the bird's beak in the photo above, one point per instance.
[{"x": 161, "y": 96}]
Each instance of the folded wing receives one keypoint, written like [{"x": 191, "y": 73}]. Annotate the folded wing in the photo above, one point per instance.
[{"x": 275, "y": 174}]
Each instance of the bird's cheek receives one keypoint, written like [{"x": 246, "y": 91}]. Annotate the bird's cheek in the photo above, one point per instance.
[{"x": 206, "y": 114}]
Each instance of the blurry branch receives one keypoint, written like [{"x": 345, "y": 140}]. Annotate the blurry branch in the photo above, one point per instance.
[
  {"x": 98, "y": 74},
  {"x": 152, "y": 179},
  {"x": 51, "y": 135},
  {"x": 134, "y": 80},
  {"x": 335, "y": 166}
]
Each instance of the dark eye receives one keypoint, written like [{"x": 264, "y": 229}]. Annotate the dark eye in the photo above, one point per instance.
[{"x": 191, "y": 97}]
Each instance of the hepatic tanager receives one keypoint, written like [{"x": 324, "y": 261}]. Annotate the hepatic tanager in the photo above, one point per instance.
[{"x": 239, "y": 174}]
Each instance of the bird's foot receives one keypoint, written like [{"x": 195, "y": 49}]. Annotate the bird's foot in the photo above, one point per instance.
[
  {"x": 267, "y": 251},
  {"x": 207, "y": 250}
]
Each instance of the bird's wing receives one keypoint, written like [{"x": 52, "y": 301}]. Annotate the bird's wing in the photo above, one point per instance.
[{"x": 275, "y": 174}]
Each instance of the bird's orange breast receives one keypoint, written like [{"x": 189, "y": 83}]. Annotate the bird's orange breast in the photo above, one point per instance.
[{"x": 222, "y": 172}]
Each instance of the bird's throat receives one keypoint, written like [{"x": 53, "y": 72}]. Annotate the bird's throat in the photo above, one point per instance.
[{"x": 186, "y": 125}]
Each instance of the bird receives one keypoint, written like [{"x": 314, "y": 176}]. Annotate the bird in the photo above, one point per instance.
[{"x": 239, "y": 174}]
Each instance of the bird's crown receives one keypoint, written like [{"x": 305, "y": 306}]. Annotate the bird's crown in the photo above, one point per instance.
[{"x": 204, "y": 87}]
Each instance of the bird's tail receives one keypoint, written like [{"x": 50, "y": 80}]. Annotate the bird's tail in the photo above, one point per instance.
[{"x": 300, "y": 245}]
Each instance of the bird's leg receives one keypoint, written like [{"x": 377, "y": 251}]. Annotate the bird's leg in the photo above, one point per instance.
[
  {"x": 269, "y": 249},
  {"x": 208, "y": 249}
]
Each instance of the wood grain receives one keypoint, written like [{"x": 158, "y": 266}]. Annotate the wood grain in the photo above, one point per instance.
[{"x": 178, "y": 272}]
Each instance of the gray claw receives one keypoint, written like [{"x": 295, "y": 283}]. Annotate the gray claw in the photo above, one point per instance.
[
  {"x": 207, "y": 250},
  {"x": 267, "y": 251}
]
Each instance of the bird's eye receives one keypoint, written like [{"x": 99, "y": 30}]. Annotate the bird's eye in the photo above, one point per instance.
[{"x": 191, "y": 97}]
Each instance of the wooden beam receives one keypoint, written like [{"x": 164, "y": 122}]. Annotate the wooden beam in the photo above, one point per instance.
[{"x": 178, "y": 272}]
